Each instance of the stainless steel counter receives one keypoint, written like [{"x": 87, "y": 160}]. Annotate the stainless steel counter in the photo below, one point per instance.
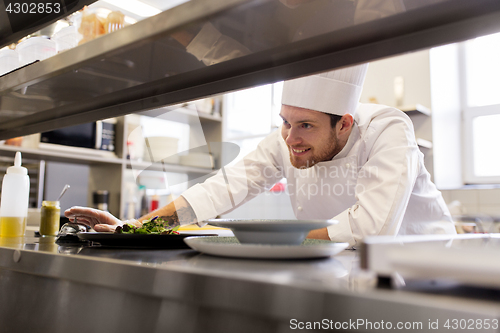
[{"x": 46, "y": 287}]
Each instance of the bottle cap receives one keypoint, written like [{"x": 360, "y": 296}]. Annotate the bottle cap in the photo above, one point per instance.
[{"x": 17, "y": 168}]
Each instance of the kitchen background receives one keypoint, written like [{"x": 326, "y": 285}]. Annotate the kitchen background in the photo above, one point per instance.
[{"x": 450, "y": 93}]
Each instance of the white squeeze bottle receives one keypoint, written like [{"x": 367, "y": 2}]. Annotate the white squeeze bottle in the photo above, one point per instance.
[{"x": 15, "y": 199}]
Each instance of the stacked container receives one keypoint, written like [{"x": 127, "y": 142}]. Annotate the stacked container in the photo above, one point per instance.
[
  {"x": 9, "y": 60},
  {"x": 35, "y": 48},
  {"x": 66, "y": 38}
]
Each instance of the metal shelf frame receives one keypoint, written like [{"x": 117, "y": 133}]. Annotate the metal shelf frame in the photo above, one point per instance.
[{"x": 437, "y": 24}]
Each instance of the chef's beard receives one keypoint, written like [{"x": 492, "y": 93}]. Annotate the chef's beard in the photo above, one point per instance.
[{"x": 321, "y": 155}]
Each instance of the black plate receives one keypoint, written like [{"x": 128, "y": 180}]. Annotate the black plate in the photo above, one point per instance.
[{"x": 107, "y": 239}]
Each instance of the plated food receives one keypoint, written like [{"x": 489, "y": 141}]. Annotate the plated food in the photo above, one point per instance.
[
  {"x": 153, "y": 226},
  {"x": 154, "y": 233}
]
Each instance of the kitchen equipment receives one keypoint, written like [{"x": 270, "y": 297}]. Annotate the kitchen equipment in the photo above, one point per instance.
[
  {"x": 66, "y": 187},
  {"x": 101, "y": 199},
  {"x": 282, "y": 232},
  {"x": 98, "y": 135},
  {"x": 469, "y": 259},
  {"x": 15, "y": 200},
  {"x": 230, "y": 247}
]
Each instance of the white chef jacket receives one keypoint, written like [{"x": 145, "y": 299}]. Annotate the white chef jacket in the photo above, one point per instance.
[{"x": 376, "y": 185}]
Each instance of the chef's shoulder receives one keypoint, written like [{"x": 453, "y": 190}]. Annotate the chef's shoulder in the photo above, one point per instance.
[{"x": 384, "y": 125}]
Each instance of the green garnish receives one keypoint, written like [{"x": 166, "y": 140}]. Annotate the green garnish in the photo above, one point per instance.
[{"x": 153, "y": 226}]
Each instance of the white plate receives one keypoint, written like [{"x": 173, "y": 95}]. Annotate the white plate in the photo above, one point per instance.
[
  {"x": 230, "y": 247},
  {"x": 276, "y": 232},
  {"x": 262, "y": 224}
]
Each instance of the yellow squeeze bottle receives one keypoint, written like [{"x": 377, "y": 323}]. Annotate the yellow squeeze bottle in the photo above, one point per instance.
[{"x": 14, "y": 200}]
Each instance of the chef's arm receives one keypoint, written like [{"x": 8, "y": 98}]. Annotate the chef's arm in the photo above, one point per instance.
[
  {"x": 384, "y": 183},
  {"x": 178, "y": 212}
]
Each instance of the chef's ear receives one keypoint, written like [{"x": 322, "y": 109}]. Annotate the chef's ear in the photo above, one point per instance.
[{"x": 345, "y": 123}]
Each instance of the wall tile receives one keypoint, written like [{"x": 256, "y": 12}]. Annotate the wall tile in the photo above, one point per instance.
[
  {"x": 446, "y": 196},
  {"x": 470, "y": 209},
  {"x": 466, "y": 197},
  {"x": 492, "y": 210},
  {"x": 489, "y": 197}
]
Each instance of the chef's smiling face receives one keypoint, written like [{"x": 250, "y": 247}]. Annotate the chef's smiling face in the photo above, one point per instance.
[{"x": 310, "y": 137}]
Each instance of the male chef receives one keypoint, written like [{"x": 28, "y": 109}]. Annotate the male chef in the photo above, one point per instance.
[{"x": 355, "y": 163}]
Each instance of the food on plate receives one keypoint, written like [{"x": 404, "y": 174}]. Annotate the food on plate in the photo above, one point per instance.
[{"x": 153, "y": 226}]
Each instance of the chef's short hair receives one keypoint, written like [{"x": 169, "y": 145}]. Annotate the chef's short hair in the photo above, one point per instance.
[{"x": 334, "y": 119}]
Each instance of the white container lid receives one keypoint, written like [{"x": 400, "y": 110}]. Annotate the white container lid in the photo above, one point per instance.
[
  {"x": 66, "y": 31},
  {"x": 35, "y": 41},
  {"x": 67, "y": 38},
  {"x": 35, "y": 48},
  {"x": 8, "y": 53},
  {"x": 9, "y": 60},
  {"x": 17, "y": 168}
]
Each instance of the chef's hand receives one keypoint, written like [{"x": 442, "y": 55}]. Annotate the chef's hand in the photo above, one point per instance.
[{"x": 99, "y": 220}]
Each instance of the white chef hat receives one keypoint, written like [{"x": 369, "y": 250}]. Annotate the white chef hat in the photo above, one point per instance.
[{"x": 335, "y": 92}]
